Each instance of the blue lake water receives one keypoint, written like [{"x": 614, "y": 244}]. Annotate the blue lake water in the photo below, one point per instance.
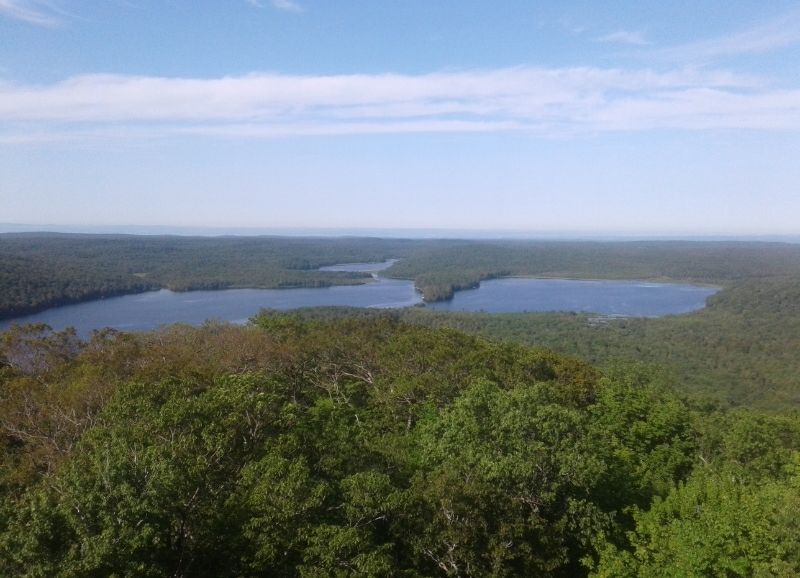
[
  {"x": 155, "y": 308},
  {"x": 624, "y": 298},
  {"x": 150, "y": 310}
]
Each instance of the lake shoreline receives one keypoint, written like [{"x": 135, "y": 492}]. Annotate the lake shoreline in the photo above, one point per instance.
[
  {"x": 504, "y": 295},
  {"x": 6, "y": 316},
  {"x": 654, "y": 280},
  {"x": 618, "y": 297},
  {"x": 9, "y": 316}
]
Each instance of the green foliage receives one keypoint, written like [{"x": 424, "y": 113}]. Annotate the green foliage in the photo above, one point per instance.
[
  {"x": 755, "y": 445},
  {"x": 741, "y": 350},
  {"x": 504, "y": 473},
  {"x": 342, "y": 442},
  {"x": 146, "y": 488},
  {"x": 647, "y": 432},
  {"x": 365, "y": 446},
  {"x": 714, "y": 525}
]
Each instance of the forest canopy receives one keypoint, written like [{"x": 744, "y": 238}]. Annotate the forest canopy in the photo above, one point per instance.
[
  {"x": 373, "y": 447},
  {"x": 339, "y": 442}
]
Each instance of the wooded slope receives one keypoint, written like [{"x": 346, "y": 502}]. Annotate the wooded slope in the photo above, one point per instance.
[{"x": 371, "y": 447}]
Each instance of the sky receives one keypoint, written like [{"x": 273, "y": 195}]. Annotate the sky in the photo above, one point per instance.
[{"x": 582, "y": 117}]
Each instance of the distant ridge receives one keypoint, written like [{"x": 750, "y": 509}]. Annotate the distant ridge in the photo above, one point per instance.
[{"x": 396, "y": 233}]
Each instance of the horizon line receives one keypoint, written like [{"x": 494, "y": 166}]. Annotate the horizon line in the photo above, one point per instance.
[{"x": 465, "y": 233}]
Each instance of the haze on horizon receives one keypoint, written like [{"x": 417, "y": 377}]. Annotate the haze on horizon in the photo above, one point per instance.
[{"x": 653, "y": 118}]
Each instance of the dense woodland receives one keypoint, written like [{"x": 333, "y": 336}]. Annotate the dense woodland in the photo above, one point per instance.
[
  {"x": 342, "y": 442},
  {"x": 42, "y": 270},
  {"x": 372, "y": 447},
  {"x": 438, "y": 272},
  {"x": 742, "y": 349}
]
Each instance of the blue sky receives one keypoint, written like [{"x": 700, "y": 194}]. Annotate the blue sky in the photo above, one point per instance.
[{"x": 644, "y": 117}]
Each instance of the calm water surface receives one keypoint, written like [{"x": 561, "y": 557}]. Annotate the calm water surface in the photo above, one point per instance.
[
  {"x": 150, "y": 310},
  {"x": 155, "y": 308},
  {"x": 625, "y": 298}
]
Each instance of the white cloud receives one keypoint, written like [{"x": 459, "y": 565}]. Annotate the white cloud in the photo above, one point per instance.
[
  {"x": 547, "y": 101},
  {"x": 624, "y": 37},
  {"x": 765, "y": 37},
  {"x": 37, "y": 12}
]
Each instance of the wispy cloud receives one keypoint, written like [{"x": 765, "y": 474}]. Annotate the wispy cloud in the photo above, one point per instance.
[
  {"x": 36, "y": 12},
  {"x": 544, "y": 101},
  {"x": 764, "y": 37},
  {"x": 634, "y": 38},
  {"x": 285, "y": 5}
]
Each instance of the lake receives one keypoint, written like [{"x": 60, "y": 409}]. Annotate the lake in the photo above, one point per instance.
[
  {"x": 149, "y": 310},
  {"x": 623, "y": 298}
]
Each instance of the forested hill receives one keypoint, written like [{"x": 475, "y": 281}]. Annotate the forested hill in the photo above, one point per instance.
[{"x": 374, "y": 448}]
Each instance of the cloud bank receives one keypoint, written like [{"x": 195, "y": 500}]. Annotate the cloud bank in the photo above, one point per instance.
[{"x": 545, "y": 101}]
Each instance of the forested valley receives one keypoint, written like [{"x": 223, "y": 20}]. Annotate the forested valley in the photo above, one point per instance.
[
  {"x": 40, "y": 270},
  {"x": 44, "y": 270},
  {"x": 373, "y": 447},
  {"x": 409, "y": 289},
  {"x": 410, "y": 442}
]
